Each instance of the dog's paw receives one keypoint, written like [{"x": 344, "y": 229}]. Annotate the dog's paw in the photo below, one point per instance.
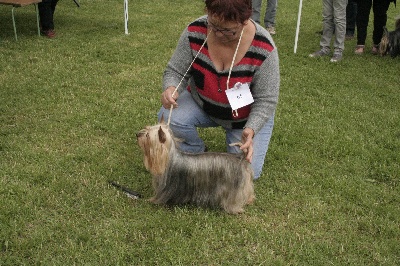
[{"x": 234, "y": 210}]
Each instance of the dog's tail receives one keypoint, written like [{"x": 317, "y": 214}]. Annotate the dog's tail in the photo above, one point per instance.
[{"x": 130, "y": 193}]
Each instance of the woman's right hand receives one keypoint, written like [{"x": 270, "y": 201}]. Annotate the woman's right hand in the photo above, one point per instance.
[{"x": 167, "y": 99}]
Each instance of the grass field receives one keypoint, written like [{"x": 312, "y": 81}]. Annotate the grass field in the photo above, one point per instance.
[{"x": 69, "y": 109}]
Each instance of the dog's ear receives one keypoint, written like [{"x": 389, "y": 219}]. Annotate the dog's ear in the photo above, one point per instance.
[{"x": 161, "y": 135}]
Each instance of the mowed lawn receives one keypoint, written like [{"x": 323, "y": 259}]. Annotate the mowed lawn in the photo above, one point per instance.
[{"x": 70, "y": 107}]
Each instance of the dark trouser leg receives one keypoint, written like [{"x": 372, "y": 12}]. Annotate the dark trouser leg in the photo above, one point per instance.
[
  {"x": 53, "y": 5},
  {"x": 351, "y": 13},
  {"x": 46, "y": 12},
  {"x": 380, "y": 18},
  {"x": 363, "y": 10}
]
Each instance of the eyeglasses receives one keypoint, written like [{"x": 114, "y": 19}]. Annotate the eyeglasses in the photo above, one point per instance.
[{"x": 226, "y": 32}]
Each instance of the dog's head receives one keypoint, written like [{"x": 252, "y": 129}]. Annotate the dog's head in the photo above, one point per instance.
[
  {"x": 156, "y": 143},
  {"x": 390, "y": 42},
  {"x": 384, "y": 44}
]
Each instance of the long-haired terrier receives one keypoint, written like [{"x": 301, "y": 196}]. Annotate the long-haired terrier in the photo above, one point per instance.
[
  {"x": 216, "y": 180},
  {"x": 390, "y": 43}
]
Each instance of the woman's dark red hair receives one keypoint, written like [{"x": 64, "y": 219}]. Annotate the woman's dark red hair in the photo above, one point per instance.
[{"x": 229, "y": 10}]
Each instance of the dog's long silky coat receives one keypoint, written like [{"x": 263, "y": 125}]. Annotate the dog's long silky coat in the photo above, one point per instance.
[
  {"x": 216, "y": 180},
  {"x": 390, "y": 42}
]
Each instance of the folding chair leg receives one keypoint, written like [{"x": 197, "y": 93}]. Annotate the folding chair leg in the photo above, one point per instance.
[{"x": 15, "y": 28}]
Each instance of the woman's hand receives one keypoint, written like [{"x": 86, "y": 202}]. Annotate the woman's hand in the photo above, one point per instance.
[
  {"x": 167, "y": 99},
  {"x": 247, "y": 140}
]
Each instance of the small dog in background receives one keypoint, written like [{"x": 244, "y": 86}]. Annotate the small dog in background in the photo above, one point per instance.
[
  {"x": 216, "y": 180},
  {"x": 390, "y": 43}
]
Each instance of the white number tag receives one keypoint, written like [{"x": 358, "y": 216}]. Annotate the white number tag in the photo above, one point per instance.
[{"x": 239, "y": 96}]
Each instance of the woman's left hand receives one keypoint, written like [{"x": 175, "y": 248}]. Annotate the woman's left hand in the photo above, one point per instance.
[{"x": 247, "y": 140}]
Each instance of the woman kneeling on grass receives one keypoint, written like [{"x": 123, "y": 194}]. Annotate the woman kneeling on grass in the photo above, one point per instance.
[{"x": 230, "y": 51}]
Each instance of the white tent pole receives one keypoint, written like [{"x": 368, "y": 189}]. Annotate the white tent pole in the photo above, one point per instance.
[
  {"x": 298, "y": 26},
  {"x": 126, "y": 16}
]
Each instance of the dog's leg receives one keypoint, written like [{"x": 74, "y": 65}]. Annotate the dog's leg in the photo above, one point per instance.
[{"x": 233, "y": 210}]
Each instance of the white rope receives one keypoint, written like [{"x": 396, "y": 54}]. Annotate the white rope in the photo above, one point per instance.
[
  {"x": 229, "y": 75},
  {"x": 180, "y": 82},
  {"x": 233, "y": 60}
]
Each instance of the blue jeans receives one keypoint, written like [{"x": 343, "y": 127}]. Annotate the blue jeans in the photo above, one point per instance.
[
  {"x": 189, "y": 116},
  {"x": 270, "y": 12}
]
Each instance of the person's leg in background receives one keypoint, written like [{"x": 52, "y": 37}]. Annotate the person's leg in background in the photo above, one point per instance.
[
  {"x": 46, "y": 14},
  {"x": 339, "y": 20},
  {"x": 329, "y": 26},
  {"x": 362, "y": 19},
  {"x": 256, "y": 4},
  {"x": 351, "y": 14},
  {"x": 380, "y": 9},
  {"x": 270, "y": 14}
]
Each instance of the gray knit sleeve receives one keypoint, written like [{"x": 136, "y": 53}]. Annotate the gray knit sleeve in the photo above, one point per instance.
[
  {"x": 265, "y": 91},
  {"x": 178, "y": 64}
]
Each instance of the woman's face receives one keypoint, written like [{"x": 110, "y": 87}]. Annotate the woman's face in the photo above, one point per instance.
[{"x": 225, "y": 31}]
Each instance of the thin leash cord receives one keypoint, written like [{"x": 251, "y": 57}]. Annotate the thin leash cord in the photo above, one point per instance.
[
  {"x": 180, "y": 82},
  {"x": 229, "y": 75},
  {"x": 233, "y": 60}
]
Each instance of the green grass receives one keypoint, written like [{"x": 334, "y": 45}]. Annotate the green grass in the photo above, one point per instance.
[{"x": 70, "y": 107}]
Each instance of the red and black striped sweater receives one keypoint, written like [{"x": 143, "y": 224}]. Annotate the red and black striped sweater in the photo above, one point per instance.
[{"x": 259, "y": 68}]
